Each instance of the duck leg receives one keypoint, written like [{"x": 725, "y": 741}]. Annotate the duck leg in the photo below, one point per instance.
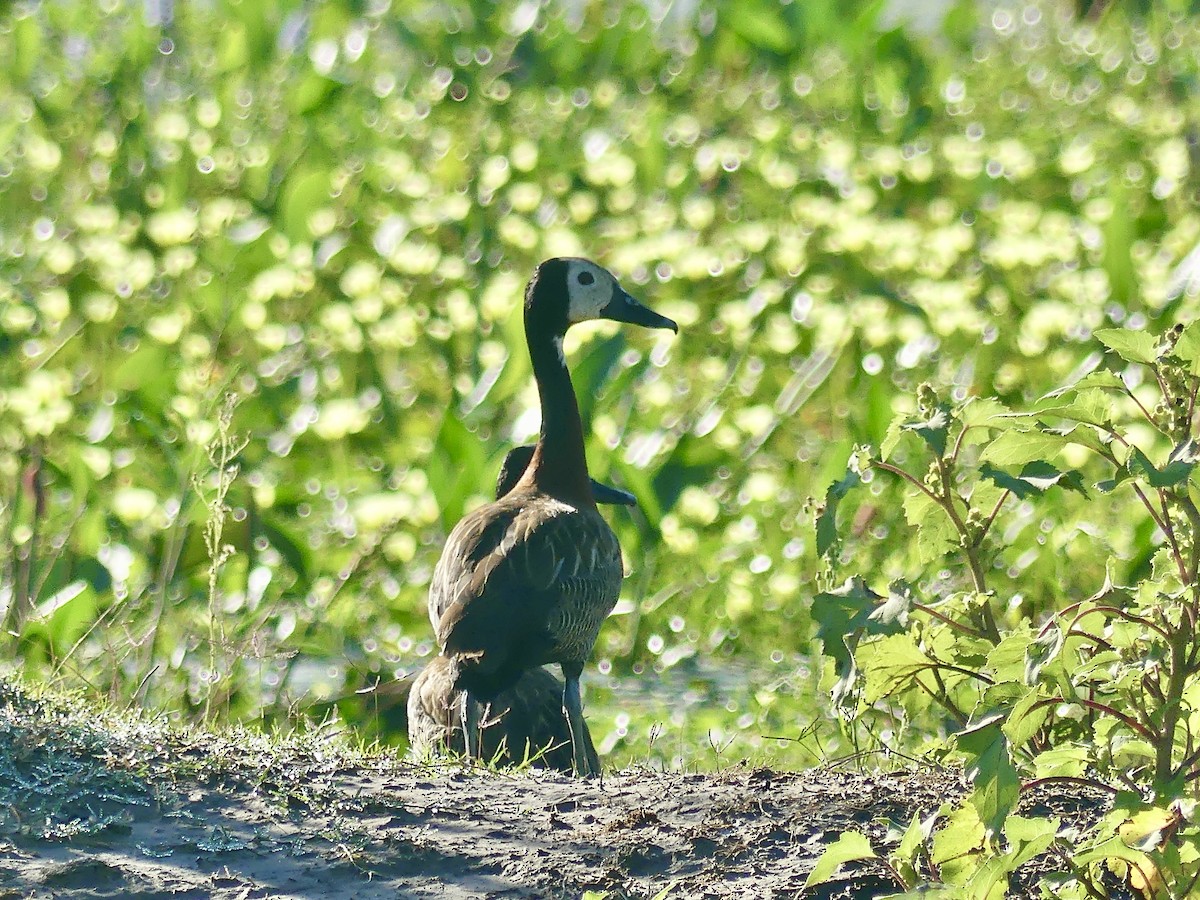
[
  {"x": 573, "y": 708},
  {"x": 470, "y": 725}
]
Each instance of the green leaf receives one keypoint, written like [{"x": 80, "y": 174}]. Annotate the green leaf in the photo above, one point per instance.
[
  {"x": 1015, "y": 448},
  {"x": 936, "y": 534},
  {"x": 1041, "y": 652},
  {"x": 455, "y": 469},
  {"x": 827, "y": 521},
  {"x": 1132, "y": 346},
  {"x": 1035, "y": 478},
  {"x": 693, "y": 461},
  {"x": 979, "y": 418},
  {"x": 1068, "y": 760},
  {"x": 914, "y": 839},
  {"x": 293, "y": 548},
  {"x": 1144, "y": 830},
  {"x": 1172, "y": 474},
  {"x": 1028, "y": 837},
  {"x": 978, "y": 411},
  {"x": 143, "y": 369},
  {"x": 991, "y": 771},
  {"x": 844, "y": 616},
  {"x": 26, "y": 44},
  {"x": 1187, "y": 348},
  {"x": 67, "y": 613},
  {"x": 1087, "y": 375},
  {"x": 761, "y": 26},
  {"x": 1026, "y": 718},
  {"x": 957, "y": 845},
  {"x": 1092, "y": 406},
  {"x": 852, "y": 845},
  {"x": 933, "y": 430},
  {"x": 1006, "y": 660},
  {"x": 306, "y": 191},
  {"x": 889, "y": 664},
  {"x": 592, "y": 370},
  {"x": 1113, "y": 848},
  {"x": 895, "y": 431}
]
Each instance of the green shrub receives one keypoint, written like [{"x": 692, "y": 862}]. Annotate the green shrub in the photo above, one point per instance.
[{"x": 1098, "y": 690}]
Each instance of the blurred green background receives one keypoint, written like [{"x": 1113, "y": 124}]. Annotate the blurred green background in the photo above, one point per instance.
[{"x": 329, "y": 211}]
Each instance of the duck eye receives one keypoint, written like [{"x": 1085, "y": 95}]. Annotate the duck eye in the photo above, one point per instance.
[{"x": 586, "y": 277}]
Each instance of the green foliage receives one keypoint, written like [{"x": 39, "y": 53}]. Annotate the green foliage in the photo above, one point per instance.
[
  {"x": 330, "y": 210},
  {"x": 1105, "y": 690}
]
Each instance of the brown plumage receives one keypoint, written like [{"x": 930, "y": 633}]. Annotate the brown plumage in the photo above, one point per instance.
[
  {"x": 524, "y": 722},
  {"x": 528, "y": 580}
]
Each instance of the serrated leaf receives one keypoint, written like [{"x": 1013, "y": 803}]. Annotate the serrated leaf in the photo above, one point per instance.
[
  {"x": 1100, "y": 379},
  {"x": 1014, "y": 448},
  {"x": 1028, "y": 837},
  {"x": 852, "y": 845},
  {"x": 895, "y": 609},
  {"x": 889, "y": 663},
  {"x": 1019, "y": 488},
  {"x": 1026, "y": 718},
  {"x": 933, "y": 430},
  {"x": 959, "y": 840},
  {"x": 983, "y": 411},
  {"x": 1092, "y": 407},
  {"x": 844, "y": 617},
  {"x": 1108, "y": 485},
  {"x": 1093, "y": 437},
  {"x": 1170, "y": 475},
  {"x": 991, "y": 771},
  {"x": 1035, "y": 478},
  {"x": 1187, "y": 348},
  {"x": 936, "y": 535},
  {"x": 827, "y": 521},
  {"x": 894, "y": 432},
  {"x": 1041, "y": 652},
  {"x": 1131, "y": 346}
]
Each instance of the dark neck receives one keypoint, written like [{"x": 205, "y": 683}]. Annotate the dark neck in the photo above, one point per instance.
[{"x": 559, "y": 465}]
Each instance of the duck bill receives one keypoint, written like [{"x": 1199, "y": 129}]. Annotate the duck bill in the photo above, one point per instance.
[
  {"x": 603, "y": 493},
  {"x": 623, "y": 308}
]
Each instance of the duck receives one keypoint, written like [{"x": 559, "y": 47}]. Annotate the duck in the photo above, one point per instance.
[
  {"x": 524, "y": 723},
  {"x": 528, "y": 579}
]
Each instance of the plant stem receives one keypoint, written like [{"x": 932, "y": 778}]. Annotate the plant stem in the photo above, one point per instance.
[
  {"x": 1069, "y": 779},
  {"x": 1176, "y": 682}
]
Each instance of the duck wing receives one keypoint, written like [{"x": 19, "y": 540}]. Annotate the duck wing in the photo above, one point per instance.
[{"x": 525, "y": 581}]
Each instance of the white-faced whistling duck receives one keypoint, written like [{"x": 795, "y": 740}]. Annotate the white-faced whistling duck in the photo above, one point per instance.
[{"x": 528, "y": 580}]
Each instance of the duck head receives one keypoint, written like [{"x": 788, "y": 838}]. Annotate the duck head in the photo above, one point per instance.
[{"x": 567, "y": 290}]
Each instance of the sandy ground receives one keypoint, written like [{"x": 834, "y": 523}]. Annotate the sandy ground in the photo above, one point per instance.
[
  {"x": 417, "y": 832},
  {"x": 99, "y": 805}
]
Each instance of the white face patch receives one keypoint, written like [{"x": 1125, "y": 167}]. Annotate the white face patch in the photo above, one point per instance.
[{"x": 589, "y": 289}]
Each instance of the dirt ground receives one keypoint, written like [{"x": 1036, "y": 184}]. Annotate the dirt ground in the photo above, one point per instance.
[{"x": 130, "y": 809}]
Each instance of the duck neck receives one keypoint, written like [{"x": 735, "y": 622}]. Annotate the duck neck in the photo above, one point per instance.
[{"x": 559, "y": 464}]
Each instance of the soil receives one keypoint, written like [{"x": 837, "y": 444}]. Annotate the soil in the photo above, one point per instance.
[{"x": 186, "y": 815}]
